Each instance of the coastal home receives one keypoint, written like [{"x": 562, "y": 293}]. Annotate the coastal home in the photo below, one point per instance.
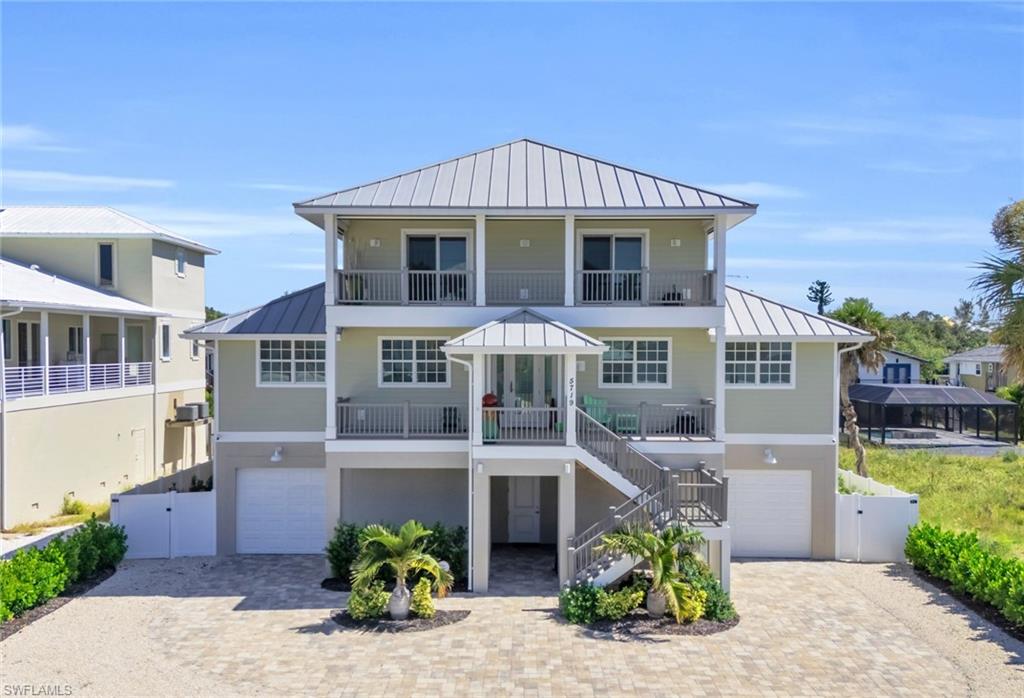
[
  {"x": 982, "y": 368},
  {"x": 899, "y": 367},
  {"x": 540, "y": 346},
  {"x": 94, "y": 369}
]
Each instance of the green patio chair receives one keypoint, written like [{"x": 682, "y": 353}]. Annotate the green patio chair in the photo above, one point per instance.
[{"x": 597, "y": 408}]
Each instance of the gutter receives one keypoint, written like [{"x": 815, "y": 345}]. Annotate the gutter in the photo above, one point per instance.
[
  {"x": 469, "y": 488},
  {"x": 3, "y": 426}
]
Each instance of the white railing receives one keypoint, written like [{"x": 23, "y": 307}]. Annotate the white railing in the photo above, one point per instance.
[
  {"x": 138, "y": 373},
  {"x": 525, "y": 288},
  {"x": 404, "y": 287},
  {"x": 66, "y": 379},
  {"x": 400, "y": 421},
  {"x": 646, "y": 287},
  {"x": 27, "y": 381},
  {"x": 524, "y": 425},
  {"x": 23, "y": 381},
  {"x": 102, "y": 376},
  {"x": 650, "y": 421}
]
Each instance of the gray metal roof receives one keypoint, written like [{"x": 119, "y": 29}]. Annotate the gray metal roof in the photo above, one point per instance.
[
  {"x": 85, "y": 221},
  {"x": 298, "y": 313},
  {"x": 916, "y": 394},
  {"x": 525, "y": 329},
  {"x": 525, "y": 174},
  {"x": 990, "y": 353},
  {"x": 750, "y": 315}
]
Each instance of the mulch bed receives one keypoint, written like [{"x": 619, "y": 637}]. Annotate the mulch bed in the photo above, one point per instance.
[
  {"x": 410, "y": 625},
  {"x": 986, "y": 611},
  {"x": 342, "y": 584},
  {"x": 33, "y": 614},
  {"x": 639, "y": 623}
]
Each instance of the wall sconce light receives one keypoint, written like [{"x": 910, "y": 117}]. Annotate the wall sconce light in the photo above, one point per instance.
[
  {"x": 479, "y": 467},
  {"x": 374, "y": 242},
  {"x": 568, "y": 468},
  {"x": 769, "y": 457},
  {"x": 275, "y": 457}
]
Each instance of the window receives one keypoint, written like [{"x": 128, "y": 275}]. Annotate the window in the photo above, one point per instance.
[
  {"x": 165, "y": 342},
  {"x": 413, "y": 361},
  {"x": 636, "y": 362},
  {"x": 194, "y": 351},
  {"x": 75, "y": 343},
  {"x": 7, "y": 338},
  {"x": 612, "y": 267},
  {"x": 105, "y": 264},
  {"x": 437, "y": 267},
  {"x": 759, "y": 363},
  {"x": 179, "y": 263},
  {"x": 292, "y": 362}
]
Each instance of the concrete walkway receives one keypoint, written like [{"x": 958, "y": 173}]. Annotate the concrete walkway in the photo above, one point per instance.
[{"x": 260, "y": 625}]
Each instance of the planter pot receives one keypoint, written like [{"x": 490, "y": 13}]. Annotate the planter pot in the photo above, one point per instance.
[
  {"x": 656, "y": 604},
  {"x": 398, "y": 604}
]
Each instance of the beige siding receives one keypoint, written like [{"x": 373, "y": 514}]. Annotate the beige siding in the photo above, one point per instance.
[
  {"x": 546, "y": 251},
  {"x": 388, "y": 255},
  {"x": 806, "y": 408},
  {"x": 180, "y": 447},
  {"x": 593, "y": 498},
  {"x": 244, "y": 406},
  {"x": 183, "y": 296},
  {"x": 395, "y": 495},
  {"x": 181, "y": 368},
  {"x": 691, "y": 253}
]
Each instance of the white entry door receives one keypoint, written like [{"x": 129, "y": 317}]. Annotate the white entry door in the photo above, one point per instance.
[
  {"x": 524, "y": 510},
  {"x": 770, "y": 513},
  {"x": 280, "y": 510}
]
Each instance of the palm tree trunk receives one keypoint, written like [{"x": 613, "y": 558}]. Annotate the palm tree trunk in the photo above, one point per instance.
[{"x": 847, "y": 375}]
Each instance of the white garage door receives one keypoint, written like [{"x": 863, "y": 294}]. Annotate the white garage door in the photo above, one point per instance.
[
  {"x": 770, "y": 513},
  {"x": 280, "y": 510}
]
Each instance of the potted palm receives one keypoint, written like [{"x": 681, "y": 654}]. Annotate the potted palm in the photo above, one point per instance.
[
  {"x": 661, "y": 551},
  {"x": 402, "y": 552}
]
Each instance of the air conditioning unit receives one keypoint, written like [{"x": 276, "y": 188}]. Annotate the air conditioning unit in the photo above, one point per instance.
[
  {"x": 202, "y": 407},
  {"x": 187, "y": 413}
]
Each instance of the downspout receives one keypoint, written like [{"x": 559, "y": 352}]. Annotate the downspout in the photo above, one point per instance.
[
  {"x": 469, "y": 488},
  {"x": 3, "y": 424}
]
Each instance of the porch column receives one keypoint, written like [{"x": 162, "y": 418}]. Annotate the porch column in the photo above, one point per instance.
[
  {"x": 720, "y": 260},
  {"x": 331, "y": 383},
  {"x": 719, "y": 382},
  {"x": 330, "y": 258},
  {"x": 476, "y": 427},
  {"x": 570, "y": 399},
  {"x": 86, "y": 348},
  {"x": 725, "y": 561},
  {"x": 566, "y": 518},
  {"x": 480, "y": 257},
  {"x": 44, "y": 336},
  {"x": 481, "y": 542},
  {"x": 120, "y": 350},
  {"x": 570, "y": 262}
]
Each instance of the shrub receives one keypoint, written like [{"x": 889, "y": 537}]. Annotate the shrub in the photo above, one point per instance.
[
  {"x": 72, "y": 507},
  {"x": 343, "y": 548},
  {"x": 615, "y": 605},
  {"x": 717, "y": 604},
  {"x": 970, "y": 569},
  {"x": 578, "y": 603},
  {"x": 369, "y": 601},
  {"x": 422, "y": 604},
  {"x": 691, "y": 602},
  {"x": 446, "y": 543}
]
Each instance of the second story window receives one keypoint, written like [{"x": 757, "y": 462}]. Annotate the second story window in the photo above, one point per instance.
[
  {"x": 165, "y": 342},
  {"x": 7, "y": 339},
  {"x": 76, "y": 345},
  {"x": 179, "y": 263},
  {"x": 612, "y": 268},
  {"x": 437, "y": 268},
  {"x": 636, "y": 363},
  {"x": 764, "y": 364},
  {"x": 105, "y": 264},
  {"x": 292, "y": 362},
  {"x": 413, "y": 362}
]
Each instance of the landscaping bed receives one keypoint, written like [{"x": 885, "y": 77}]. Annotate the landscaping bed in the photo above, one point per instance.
[
  {"x": 986, "y": 611},
  {"x": 412, "y": 624},
  {"x": 33, "y": 614},
  {"x": 343, "y": 584},
  {"x": 639, "y": 623}
]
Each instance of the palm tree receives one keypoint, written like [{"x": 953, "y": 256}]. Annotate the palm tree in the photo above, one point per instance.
[
  {"x": 381, "y": 547},
  {"x": 860, "y": 313},
  {"x": 1001, "y": 283},
  {"x": 662, "y": 552}
]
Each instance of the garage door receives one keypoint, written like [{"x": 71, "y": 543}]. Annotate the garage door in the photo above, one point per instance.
[
  {"x": 770, "y": 513},
  {"x": 280, "y": 510}
]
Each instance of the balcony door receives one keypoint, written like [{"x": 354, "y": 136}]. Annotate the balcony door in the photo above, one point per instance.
[
  {"x": 437, "y": 268},
  {"x": 523, "y": 382},
  {"x": 612, "y": 268},
  {"x": 134, "y": 344},
  {"x": 28, "y": 344}
]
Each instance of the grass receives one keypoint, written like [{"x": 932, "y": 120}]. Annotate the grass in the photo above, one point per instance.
[
  {"x": 82, "y": 513},
  {"x": 984, "y": 494}
]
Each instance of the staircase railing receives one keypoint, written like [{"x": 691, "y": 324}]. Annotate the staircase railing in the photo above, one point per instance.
[{"x": 620, "y": 455}]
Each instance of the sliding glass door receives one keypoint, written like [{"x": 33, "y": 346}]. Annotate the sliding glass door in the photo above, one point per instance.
[
  {"x": 437, "y": 267},
  {"x": 612, "y": 268}
]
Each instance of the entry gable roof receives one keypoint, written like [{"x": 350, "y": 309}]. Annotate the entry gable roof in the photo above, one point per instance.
[{"x": 524, "y": 331}]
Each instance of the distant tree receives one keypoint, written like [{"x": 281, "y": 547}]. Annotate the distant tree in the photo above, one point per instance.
[
  {"x": 821, "y": 293},
  {"x": 933, "y": 337},
  {"x": 1001, "y": 282},
  {"x": 212, "y": 313},
  {"x": 963, "y": 313},
  {"x": 859, "y": 312}
]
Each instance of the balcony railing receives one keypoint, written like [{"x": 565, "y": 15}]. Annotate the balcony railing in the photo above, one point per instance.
[
  {"x": 523, "y": 425},
  {"x": 646, "y": 287},
  {"x": 658, "y": 422},
  {"x": 405, "y": 287},
  {"x": 525, "y": 287},
  {"x": 27, "y": 381},
  {"x": 400, "y": 421}
]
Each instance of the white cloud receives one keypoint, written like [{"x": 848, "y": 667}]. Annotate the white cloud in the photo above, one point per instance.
[
  {"x": 757, "y": 190},
  {"x": 204, "y": 224},
  {"x": 28, "y": 137},
  {"x": 48, "y": 180}
]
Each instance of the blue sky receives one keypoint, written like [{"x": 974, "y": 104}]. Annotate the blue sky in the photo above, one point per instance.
[{"x": 879, "y": 139}]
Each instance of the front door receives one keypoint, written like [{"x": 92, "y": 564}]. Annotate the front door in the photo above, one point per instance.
[
  {"x": 526, "y": 381},
  {"x": 524, "y": 509},
  {"x": 896, "y": 373}
]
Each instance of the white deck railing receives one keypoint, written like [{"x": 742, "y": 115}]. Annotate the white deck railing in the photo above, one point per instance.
[
  {"x": 525, "y": 287},
  {"x": 23, "y": 381},
  {"x": 400, "y": 421},
  {"x": 28, "y": 381},
  {"x": 646, "y": 287},
  {"x": 405, "y": 287}
]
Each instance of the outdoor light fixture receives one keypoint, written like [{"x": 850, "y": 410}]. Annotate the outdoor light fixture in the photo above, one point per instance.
[
  {"x": 769, "y": 457},
  {"x": 275, "y": 457},
  {"x": 479, "y": 467}
]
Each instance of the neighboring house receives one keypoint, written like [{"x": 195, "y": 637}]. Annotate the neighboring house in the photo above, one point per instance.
[
  {"x": 899, "y": 367},
  {"x": 981, "y": 369},
  {"x": 537, "y": 345},
  {"x": 93, "y": 302}
]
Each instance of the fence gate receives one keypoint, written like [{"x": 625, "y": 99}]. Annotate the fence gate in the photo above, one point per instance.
[
  {"x": 169, "y": 524},
  {"x": 873, "y": 528}
]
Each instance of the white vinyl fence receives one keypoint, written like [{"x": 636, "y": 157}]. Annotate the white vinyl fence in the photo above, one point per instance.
[
  {"x": 871, "y": 525},
  {"x": 168, "y": 524}
]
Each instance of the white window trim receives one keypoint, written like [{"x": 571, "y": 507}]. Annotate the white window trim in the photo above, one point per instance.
[
  {"x": 113, "y": 263},
  {"x": 182, "y": 255},
  {"x": 380, "y": 364},
  {"x": 79, "y": 334},
  {"x": 468, "y": 233},
  {"x": 757, "y": 385},
  {"x": 643, "y": 233},
  {"x": 291, "y": 384},
  {"x": 194, "y": 351},
  {"x": 170, "y": 341},
  {"x": 634, "y": 385}
]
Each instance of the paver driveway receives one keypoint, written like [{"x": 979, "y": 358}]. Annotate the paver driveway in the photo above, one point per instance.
[{"x": 248, "y": 625}]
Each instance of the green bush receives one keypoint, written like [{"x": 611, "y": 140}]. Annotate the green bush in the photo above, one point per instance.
[
  {"x": 717, "y": 604},
  {"x": 578, "y": 603},
  {"x": 970, "y": 569},
  {"x": 422, "y": 604},
  {"x": 615, "y": 605},
  {"x": 368, "y": 602},
  {"x": 72, "y": 507},
  {"x": 446, "y": 543},
  {"x": 691, "y": 607}
]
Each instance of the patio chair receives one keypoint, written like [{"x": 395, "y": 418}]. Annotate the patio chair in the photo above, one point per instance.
[{"x": 597, "y": 408}]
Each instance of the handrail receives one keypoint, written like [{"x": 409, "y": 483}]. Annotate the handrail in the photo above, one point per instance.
[{"x": 618, "y": 453}]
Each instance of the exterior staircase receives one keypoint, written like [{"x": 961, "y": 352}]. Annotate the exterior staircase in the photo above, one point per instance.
[{"x": 657, "y": 495}]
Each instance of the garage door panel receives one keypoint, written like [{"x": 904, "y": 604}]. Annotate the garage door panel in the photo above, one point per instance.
[
  {"x": 770, "y": 513},
  {"x": 280, "y": 510}
]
